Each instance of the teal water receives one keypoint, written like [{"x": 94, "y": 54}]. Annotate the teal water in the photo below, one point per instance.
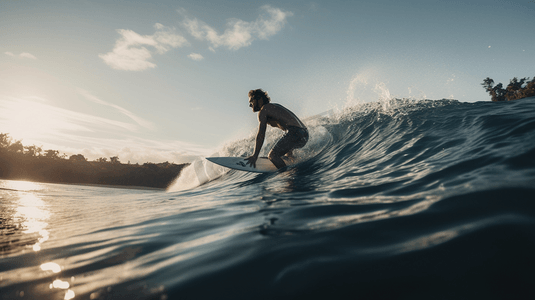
[{"x": 393, "y": 200}]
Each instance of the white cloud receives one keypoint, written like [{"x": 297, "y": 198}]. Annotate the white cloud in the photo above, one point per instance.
[
  {"x": 72, "y": 132},
  {"x": 130, "y": 53},
  {"x": 196, "y": 56},
  {"x": 27, "y": 55},
  {"x": 240, "y": 33},
  {"x": 131, "y": 115},
  {"x": 37, "y": 98},
  {"x": 22, "y": 55},
  {"x": 36, "y": 120},
  {"x": 50, "y": 127}
]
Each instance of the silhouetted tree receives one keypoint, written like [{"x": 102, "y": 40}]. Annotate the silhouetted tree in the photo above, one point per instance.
[
  {"x": 529, "y": 90},
  {"x": 5, "y": 140},
  {"x": 16, "y": 147},
  {"x": 33, "y": 150},
  {"x": 52, "y": 154},
  {"x": 515, "y": 89},
  {"x": 21, "y": 162},
  {"x": 77, "y": 157},
  {"x": 488, "y": 83}
]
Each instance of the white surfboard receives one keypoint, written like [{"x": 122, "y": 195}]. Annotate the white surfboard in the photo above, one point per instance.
[{"x": 263, "y": 164}]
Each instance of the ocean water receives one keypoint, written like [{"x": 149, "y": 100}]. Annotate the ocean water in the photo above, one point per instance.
[{"x": 397, "y": 199}]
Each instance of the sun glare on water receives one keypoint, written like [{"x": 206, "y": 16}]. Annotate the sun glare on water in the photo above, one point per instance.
[
  {"x": 22, "y": 185},
  {"x": 34, "y": 213}
]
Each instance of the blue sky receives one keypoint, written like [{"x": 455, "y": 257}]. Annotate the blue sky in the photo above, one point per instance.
[{"x": 168, "y": 80}]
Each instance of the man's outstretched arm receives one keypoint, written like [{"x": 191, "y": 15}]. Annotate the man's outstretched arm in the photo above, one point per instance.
[{"x": 260, "y": 136}]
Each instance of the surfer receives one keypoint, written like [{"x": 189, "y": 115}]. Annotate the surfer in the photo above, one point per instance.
[{"x": 276, "y": 115}]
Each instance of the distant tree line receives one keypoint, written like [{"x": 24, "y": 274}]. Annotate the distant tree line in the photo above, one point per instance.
[
  {"x": 19, "y": 162},
  {"x": 516, "y": 89}
]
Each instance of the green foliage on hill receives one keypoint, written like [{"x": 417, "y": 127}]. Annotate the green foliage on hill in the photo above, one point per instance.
[
  {"x": 19, "y": 162},
  {"x": 516, "y": 89}
]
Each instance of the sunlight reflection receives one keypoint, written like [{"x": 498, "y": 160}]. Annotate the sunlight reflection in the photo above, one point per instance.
[
  {"x": 331, "y": 223},
  {"x": 60, "y": 284},
  {"x": 22, "y": 185},
  {"x": 286, "y": 184},
  {"x": 69, "y": 295},
  {"x": 33, "y": 215},
  {"x": 50, "y": 266},
  {"x": 429, "y": 241}
]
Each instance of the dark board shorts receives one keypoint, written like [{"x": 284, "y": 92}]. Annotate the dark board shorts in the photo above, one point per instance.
[{"x": 295, "y": 137}]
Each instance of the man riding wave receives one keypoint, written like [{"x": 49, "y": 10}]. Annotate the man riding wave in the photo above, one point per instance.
[{"x": 276, "y": 115}]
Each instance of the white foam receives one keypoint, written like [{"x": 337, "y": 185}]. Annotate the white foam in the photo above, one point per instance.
[{"x": 201, "y": 171}]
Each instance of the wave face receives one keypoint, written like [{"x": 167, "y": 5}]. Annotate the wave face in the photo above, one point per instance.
[
  {"x": 400, "y": 147},
  {"x": 391, "y": 200}
]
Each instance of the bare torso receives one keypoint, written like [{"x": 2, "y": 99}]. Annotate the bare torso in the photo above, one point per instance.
[
  {"x": 280, "y": 117},
  {"x": 275, "y": 115}
]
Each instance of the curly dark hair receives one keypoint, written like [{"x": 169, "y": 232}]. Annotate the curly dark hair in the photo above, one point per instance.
[{"x": 260, "y": 94}]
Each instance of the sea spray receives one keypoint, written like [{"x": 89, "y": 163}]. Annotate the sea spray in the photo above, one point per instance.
[{"x": 202, "y": 171}]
